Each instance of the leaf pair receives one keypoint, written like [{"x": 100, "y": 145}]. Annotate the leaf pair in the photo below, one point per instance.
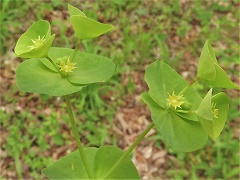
[
  {"x": 212, "y": 113},
  {"x": 210, "y": 72},
  {"x": 38, "y": 75},
  {"x": 100, "y": 161},
  {"x": 181, "y": 130},
  {"x": 36, "y": 41},
  {"x": 84, "y": 27}
]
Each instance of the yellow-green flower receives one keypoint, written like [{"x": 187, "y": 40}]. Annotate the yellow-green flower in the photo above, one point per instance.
[
  {"x": 66, "y": 65},
  {"x": 175, "y": 100},
  {"x": 37, "y": 43},
  {"x": 214, "y": 110}
]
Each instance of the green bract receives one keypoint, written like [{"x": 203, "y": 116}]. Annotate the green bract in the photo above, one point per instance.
[
  {"x": 212, "y": 113},
  {"x": 181, "y": 129},
  {"x": 36, "y": 41},
  {"x": 210, "y": 72},
  {"x": 38, "y": 75},
  {"x": 100, "y": 160},
  {"x": 84, "y": 27}
]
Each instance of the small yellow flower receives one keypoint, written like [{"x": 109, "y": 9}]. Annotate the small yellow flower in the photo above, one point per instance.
[
  {"x": 67, "y": 66},
  {"x": 37, "y": 43},
  {"x": 214, "y": 110},
  {"x": 175, "y": 100}
]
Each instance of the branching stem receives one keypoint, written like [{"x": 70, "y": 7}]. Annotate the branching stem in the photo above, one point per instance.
[{"x": 126, "y": 154}]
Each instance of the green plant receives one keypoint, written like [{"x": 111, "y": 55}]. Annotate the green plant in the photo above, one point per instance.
[{"x": 184, "y": 119}]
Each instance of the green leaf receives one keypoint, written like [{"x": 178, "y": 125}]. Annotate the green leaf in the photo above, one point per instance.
[
  {"x": 40, "y": 29},
  {"x": 74, "y": 11},
  {"x": 213, "y": 124},
  {"x": 84, "y": 27},
  {"x": 206, "y": 63},
  {"x": 222, "y": 105},
  {"x": 71, "y": 166},
  {"x": 100, "y": 162},
  {"x": 90, "y": 68},
  {"x": 205, "y": 108},
  {"x": 111, "y": 154},
  {"x": 210, "y": 72},
  {"x": 162, "y": 80},
  {"x": 181, "y": 134},
  {"x": 222, "y": 80},
  {"x": 33, "y": 76}
]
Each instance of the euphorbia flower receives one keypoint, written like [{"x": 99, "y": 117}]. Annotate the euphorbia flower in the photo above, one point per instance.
[
  {"x": 173, "y": 114},
  {"x": 66, "y": 65},
  {"x": 212, "y": 113},
  {"x": 36, "y": 41},
  {"x": 175, "y": 100}
]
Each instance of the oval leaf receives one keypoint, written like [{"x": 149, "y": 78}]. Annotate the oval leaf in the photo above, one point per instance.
[
  {"x": 106, "y": 157},
  {"x": 33, "y": 76},
  {"x": 162, "y": 80},
  {"x": 181, "y": 134},
  {"x": 100, "y": 162},
  {"x": 71, "y": 166},
  {"x": 89, "y": 69}
]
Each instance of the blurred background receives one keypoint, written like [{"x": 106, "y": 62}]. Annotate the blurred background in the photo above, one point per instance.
[{"x": 34, "y": 128}]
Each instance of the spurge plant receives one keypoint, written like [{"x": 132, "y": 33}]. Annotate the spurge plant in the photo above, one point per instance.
[{"x": 179, "y": 113}]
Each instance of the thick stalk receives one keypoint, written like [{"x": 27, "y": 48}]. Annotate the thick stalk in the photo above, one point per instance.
[
  {"x": 77, "y": 138},
  {"x": 126, "y": 154}
]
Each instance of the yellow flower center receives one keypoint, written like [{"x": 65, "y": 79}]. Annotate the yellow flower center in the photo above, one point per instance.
[
  {"x": 214, "y": 110},
  {"x": 67, "y": 66},
  {"x": 37, "y": 43},
  {"x": 175, "y": 100}
]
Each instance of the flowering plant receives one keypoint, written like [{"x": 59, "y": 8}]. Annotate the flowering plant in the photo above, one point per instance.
[{"x": 179, "y": 113}]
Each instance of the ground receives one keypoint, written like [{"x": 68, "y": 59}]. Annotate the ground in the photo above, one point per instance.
[{"x": 34, "y": 128}]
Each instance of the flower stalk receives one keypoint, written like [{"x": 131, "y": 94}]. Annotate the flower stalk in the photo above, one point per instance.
[
  {"x": 77, "y": 138},
  {"x": 126, "y": 154}
]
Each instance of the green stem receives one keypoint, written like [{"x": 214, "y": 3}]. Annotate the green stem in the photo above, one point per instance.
[
  {"x": 18, "y": 165},
  {"x": 52, "y": 63},
  {"x": 77, "y": 138},
  {"x": 75, "y": 50},
  {"x": 57, "y": 68},
  {"x": 183, "y": 111},
  {"x": 188, "y": 86},
  {"x": 126, "y": 154}
]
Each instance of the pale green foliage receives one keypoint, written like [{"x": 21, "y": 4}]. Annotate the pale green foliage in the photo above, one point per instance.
[{"x": 100, "y": 159}]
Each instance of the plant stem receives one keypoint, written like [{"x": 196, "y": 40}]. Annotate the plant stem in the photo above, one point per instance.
[
  {"x": 188, "y": 86},
  {"x": 75, "y": 50},
  {"x": 18, "y": 165},
  {"x": 126, "y": 154},
  {"x": 52, "y": 63},
  {"x": 77, "y": 138},
  {"x": 55, "y": 66}
]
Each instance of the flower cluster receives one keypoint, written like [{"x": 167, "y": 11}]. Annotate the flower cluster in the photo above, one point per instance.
[
  {"x": 66, "y": 65},
  {"x": 37, "y": 43},
  {"x": 175, "y": 100}
]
